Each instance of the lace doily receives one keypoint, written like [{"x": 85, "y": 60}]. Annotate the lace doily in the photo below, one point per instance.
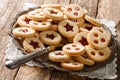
[{"x": 107, "y": 72}]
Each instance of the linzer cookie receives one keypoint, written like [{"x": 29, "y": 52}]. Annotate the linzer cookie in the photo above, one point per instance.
[
  {"x": 32, "y": 43},
  {"x": 81, "y": 38},
  {"x": 86, "y": 27},
  {"x": 23, "y": 32},
  {"x": 24, "y": 21},
  {"x": 68, "y": 28},
  {"x": 72, "y": 65},
  {"x": 103, "y": 31},
  {"x": 36, "y": 15},
  {"x": 92, "y": 20},
  {"x": 97, "y": 39},
  {"x": 84, "y": 59},
  {"x": 52, "y": 13},
  {"x": 50, "y": 37},
  {"x": 40, "y": 26},
  {"x": 98, "y": 55},
  {"x": 58, "y": 56},
  {"x": 74, "y": 11},
  {"x": 73, "y": 49}
]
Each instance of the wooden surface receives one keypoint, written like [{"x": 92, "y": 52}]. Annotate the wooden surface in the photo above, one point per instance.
[{"x": 109, "y": 9}]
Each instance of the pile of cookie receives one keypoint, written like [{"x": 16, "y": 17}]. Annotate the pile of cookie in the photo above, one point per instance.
[{"x": 84, "y": 39}]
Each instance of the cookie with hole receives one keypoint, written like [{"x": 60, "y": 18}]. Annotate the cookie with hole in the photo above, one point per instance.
[
  {"x": 74, "y": 11},
  {"x": 58, "y": 56},
  {"x": 73, "y": 49},
  {"x": 50, "y": 37},
  {"x": 99, "y": 55}
]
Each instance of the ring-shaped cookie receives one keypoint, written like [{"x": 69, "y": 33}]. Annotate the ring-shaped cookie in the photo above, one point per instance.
[
  {"x": 73, "y": 49},
  {"x": 50, "y": 37},
  {"x": 23, "y": 32},
  {"x": 32, "y": 44},
  {"x": 40, "y": 26},
  {"x": 52, "y": 13},
  {"x": 58, "y": 56},
  {"x": 98, "y": 55},
  {"x": 68, "y": 28}
]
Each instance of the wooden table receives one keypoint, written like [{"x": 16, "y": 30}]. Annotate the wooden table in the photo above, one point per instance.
[{"x": 108, "y": 9}]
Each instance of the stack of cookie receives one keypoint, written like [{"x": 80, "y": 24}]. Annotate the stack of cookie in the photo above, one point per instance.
[{"x": 85, "y": 41}]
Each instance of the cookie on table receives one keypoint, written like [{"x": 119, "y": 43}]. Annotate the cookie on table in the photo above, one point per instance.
[
  {"x": 58, "y": 56},
  {"x": 36, "y": 15},
  {"x": 23, "y": 32},
  {"x": 97, "y": 39},
  {"x": 53, "y": 13},
  {"x": 81, "y": 38},
  {"x": 72, "y": 65},
  {"x": 40, "y": 26},
  {"x": 74, "y": 11},
  {"x": 24, "y": 21},
  {"x": 50, "y": 37},
  {"x": 56, "y": 6},
  {"x": 92, "y": 20},
  {"x": 98, "y": 55},
  {"x": 73, "y": 49},
  {"x": 68, "y": 28},
  {"x": 32, "y": 44},
  {"x": 84, "y": 59}
]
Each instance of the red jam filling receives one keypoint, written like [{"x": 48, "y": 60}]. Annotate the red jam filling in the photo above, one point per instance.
[
  {"x": 101, "y": 54},
  {"x": 59, "y": 53},
  {"x": 23, "y": 30},
  {"x": 88, "y": 28},
  {"x": 52, "y": 12},
  {"x": 51, "y": 36},
  {"x": 68, "y": 27},
  {"x": 34, "y": 44},
  {"x": 83, "y": 41},
  {"x": 27, "y": 20}
]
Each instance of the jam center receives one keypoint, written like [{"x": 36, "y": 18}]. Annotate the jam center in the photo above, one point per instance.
[
  {"x": 53, "y": 12},
  {"x": 34, "y": 44},
  {"x": 51, "y": 36},
  {"x": 27, "y": 20},
  {"x": 23, "y": 30},
  {"x": 88, "y": 28},
  {"x": 68, "y": 27},
  {"x": 59, "y": 53},
  {"x": 83, "y": 41}
]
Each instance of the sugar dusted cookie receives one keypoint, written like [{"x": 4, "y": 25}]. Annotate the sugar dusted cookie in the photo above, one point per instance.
[
  {"x": 81, "y": 38},
  {"x": 92, "y": 20},
  {"x": 68, "y": 28},
  {"x": 24, "y": 21},
  {"x": 52, "y": 13},
  {"x": 50, "y": 37},
  {"x": 73, "y": 49},
  {"x": 98, "y": 55},
  {"x": 32, "y": 43},
  {"x": 58, "y": 56},
  {"x": 40, "y": 26},
  {"x": 23, "y": 32},
  {"x": 74, "y": 11},
  {"x": 72, "y": 65}
]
